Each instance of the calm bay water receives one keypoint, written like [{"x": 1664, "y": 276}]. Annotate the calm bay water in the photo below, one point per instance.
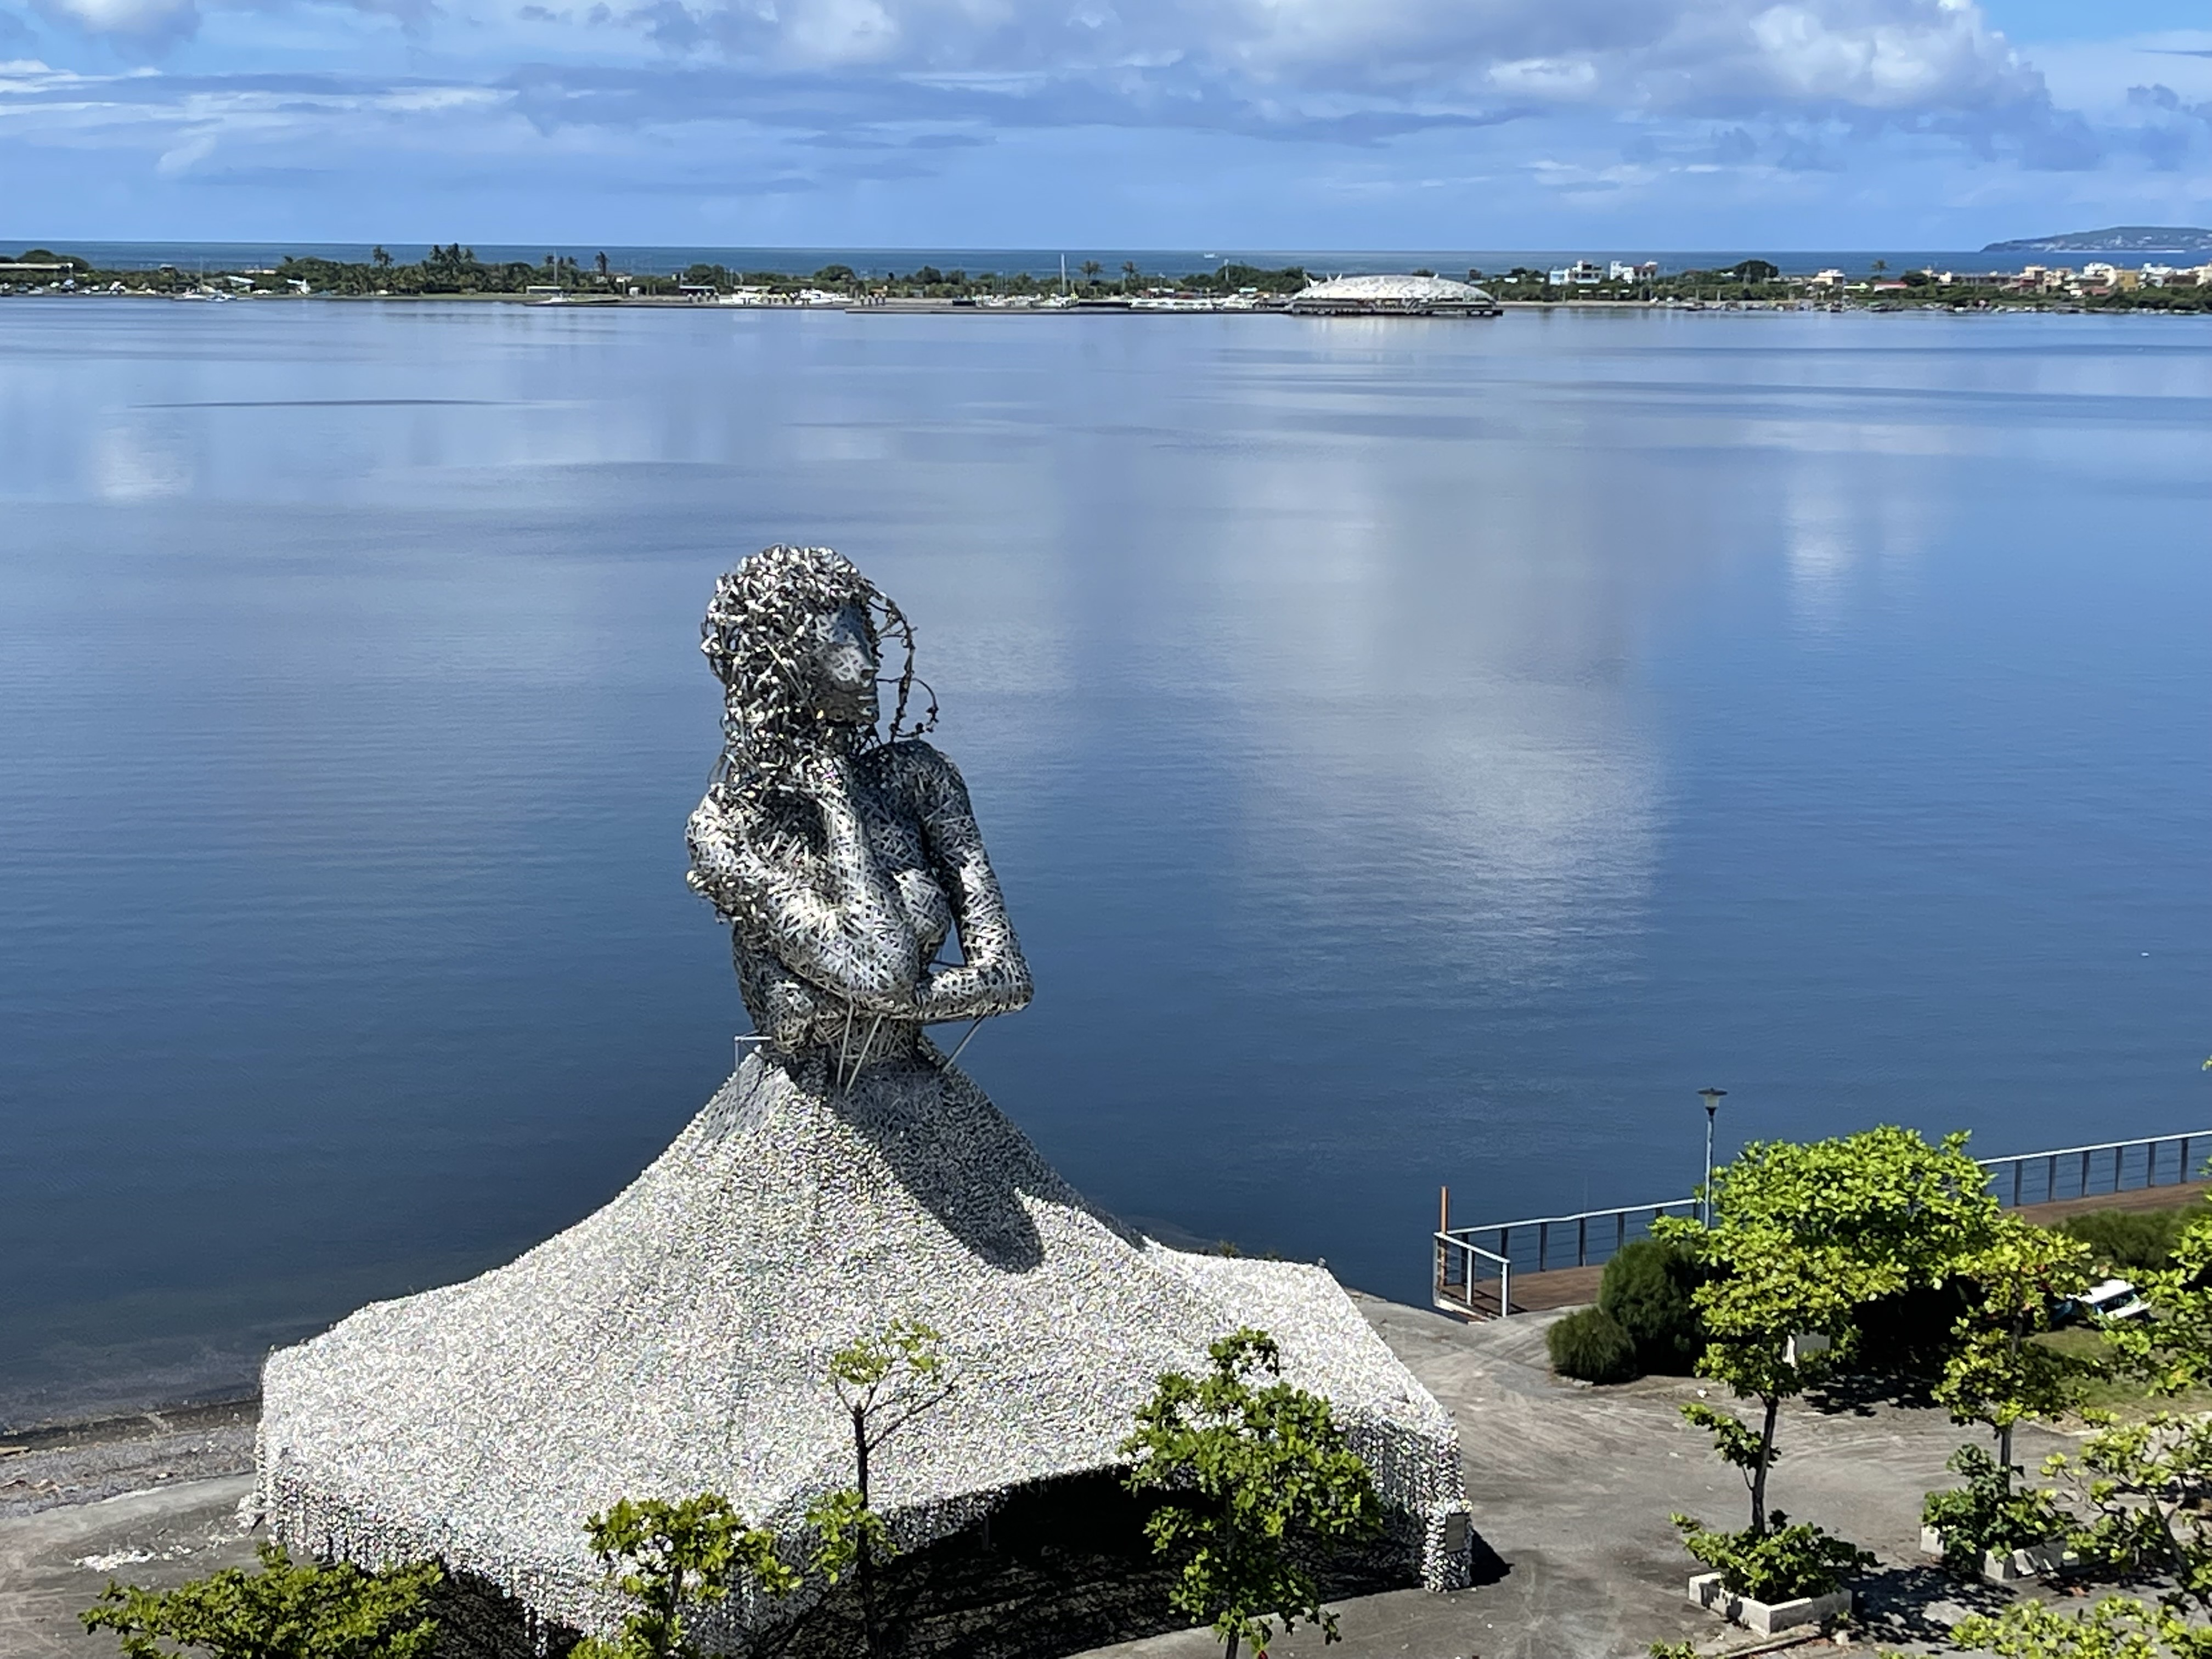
[{"x": 1414, "y": 753}]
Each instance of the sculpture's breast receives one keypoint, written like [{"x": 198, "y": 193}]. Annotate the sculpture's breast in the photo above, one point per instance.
[{"x": 895, "y": 839}]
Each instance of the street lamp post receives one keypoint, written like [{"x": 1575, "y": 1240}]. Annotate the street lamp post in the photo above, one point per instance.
[{"x": 1712, "y": 1099}]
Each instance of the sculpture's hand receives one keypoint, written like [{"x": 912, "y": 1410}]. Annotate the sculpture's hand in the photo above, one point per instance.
[
  {"x": 993, "y": 979},
  {"x": 826, "y": 779},
  {"x": 830, "y": 917}
]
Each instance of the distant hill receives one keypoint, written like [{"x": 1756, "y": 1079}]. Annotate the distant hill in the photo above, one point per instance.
[{"x": 2120, "y": 239}]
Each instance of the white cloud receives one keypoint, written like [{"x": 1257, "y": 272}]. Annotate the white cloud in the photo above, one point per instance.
[
  {"x": 1655, "y": 55},
  {"x": 143, "y": 20}
]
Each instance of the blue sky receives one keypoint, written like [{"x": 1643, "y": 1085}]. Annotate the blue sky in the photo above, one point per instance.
[{"x": 1616, "y": 125}]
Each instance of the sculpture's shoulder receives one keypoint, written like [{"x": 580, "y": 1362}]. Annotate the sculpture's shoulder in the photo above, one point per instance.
[{"x": 918, "y": 771}]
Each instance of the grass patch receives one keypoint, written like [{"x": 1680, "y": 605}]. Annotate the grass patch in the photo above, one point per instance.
[{"x": 2125, "y": 1397}]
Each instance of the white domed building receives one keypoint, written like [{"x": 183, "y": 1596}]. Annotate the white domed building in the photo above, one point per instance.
[{"x": 1394, "y": 296}]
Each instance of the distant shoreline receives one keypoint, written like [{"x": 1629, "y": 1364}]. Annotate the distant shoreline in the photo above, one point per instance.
[{"x": 1888, "y": 305}]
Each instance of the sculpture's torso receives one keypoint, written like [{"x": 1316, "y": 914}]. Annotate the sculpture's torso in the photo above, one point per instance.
[{"x": 894, "y": 789}]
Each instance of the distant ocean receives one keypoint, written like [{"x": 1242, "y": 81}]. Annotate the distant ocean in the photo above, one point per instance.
[{"x": 1046, "y": 262}]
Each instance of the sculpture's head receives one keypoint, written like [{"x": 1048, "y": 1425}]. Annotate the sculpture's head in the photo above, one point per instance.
[{"x": 796, "y": 636}]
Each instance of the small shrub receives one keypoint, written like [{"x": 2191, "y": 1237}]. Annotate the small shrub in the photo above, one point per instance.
[
  {"x": 1646, "y": 1289},
  {"x": 2142, "y": 1240},
  {"x": 1987, "y": 1513},
  {"x": 282, "y": 1612},
  {"x": 1782, "y": 1563},
  {"x": 1590, "y": 1345}
]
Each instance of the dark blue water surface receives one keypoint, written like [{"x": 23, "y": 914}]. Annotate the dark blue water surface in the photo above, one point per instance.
[{"x": 1414, "y": 752}]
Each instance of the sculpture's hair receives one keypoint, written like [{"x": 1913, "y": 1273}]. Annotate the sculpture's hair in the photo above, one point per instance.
[{"x": 758, "y": 629}]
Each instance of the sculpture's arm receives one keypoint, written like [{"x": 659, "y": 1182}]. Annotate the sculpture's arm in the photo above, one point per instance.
[
  {"x": 832, "y": 920},
  {"x": 993, "y": 979}
]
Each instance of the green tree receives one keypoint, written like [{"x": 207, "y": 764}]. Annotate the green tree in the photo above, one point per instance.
[
  {"x": 285, "y": 1611},
  {"x": 2147, "y": 1491},
  {"x": 1243, "y": 1470},
  {"x": 664, "y": 1557},
  {"x": 1996, "y": 1375},
  {"x": 2172, "y": 1350},
  {"x": 884, "y": 1382},
  {"x": 1802, "y": 1235},
  {"x": 379, "y": 258},
  {"x": 1129, "y": 276}
]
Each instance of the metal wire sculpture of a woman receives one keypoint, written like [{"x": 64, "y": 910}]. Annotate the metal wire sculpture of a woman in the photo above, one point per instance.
[
  {"x": 844, "y": 859},
  {"x": 844, "y": 1175}
]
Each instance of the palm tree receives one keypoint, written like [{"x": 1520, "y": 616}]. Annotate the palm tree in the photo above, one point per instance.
[
  {"x": 1091, "y": 270},
  {"x": 1129, "y": 276},
  {"x": 379, "y": 258}
]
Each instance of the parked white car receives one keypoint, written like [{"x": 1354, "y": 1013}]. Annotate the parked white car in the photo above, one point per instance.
[{"x": 2112, "y": 1298}]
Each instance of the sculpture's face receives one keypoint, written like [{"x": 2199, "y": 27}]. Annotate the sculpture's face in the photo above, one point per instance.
[{"x": 844, "y": 665}]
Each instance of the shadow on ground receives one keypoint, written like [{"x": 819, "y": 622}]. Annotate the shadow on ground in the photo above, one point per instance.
[{"x": 1911, "y": 1605}]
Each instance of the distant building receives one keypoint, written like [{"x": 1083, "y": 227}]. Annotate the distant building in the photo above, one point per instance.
[
  {"x": 1829, "y": 278},
  {"x": 1581, "y": 273},
  {"x": 1392, "y": 296},
  {"x": 1621, "y": 271}
]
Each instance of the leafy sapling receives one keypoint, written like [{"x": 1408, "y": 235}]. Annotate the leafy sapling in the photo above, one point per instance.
[
  {"x": 1246, "y": 1468},
  {"x": 668, "y": 1558},
  {"x": 882, "y": 1382}
]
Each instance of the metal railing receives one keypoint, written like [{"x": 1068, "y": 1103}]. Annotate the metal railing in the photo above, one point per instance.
[
  {"x": 1465, "y": 1271},
  {"x": 1461, "y": 1276},
  {"x": 1588, "y": 1236},
  {"x": 2109, "y": 1166}
]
